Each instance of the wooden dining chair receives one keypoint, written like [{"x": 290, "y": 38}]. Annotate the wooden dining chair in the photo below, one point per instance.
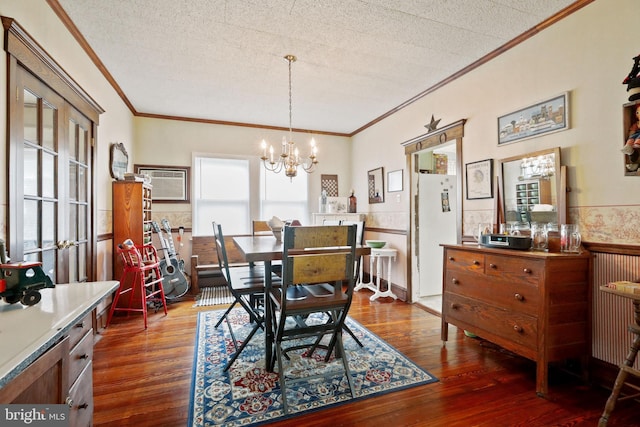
[
  {"x": 260, "y": 228},
  {"x": 311, "y": 255},
  {"x": 246, "y": 285}
]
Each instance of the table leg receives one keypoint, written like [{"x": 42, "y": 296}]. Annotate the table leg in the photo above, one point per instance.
[
  {"x": 626, "y": 368},
  {"x": 268, "y": 332},
  {"x": 376, "y": 289}
]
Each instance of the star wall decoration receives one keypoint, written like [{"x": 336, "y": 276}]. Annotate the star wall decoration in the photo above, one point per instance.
[{"x": 433, "y": 125}]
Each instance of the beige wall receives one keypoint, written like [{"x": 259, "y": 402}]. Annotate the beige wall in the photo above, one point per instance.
[
  {"x": 171, "y": 142},
  {"x": 588, "y": 54}
]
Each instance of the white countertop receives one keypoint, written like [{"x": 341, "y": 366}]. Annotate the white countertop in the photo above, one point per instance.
[{"x": 27, "y": 332}]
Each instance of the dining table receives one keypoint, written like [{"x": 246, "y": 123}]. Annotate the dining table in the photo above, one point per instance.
[{"x": 266, "y": 249}]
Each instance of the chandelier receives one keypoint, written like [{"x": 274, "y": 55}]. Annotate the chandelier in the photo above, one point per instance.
[
  {"x": 538, "y": 167},
  {"x": 289, "y": 158}
]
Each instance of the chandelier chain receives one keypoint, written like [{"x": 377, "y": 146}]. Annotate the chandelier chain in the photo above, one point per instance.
[{"x": 290, "y": 59}]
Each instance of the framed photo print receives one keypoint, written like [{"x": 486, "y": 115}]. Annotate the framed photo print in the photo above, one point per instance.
[
  {"x": 551, "y": 115},
  {"x": 479, "y": 179},
  {"x": 394, "y": 181}
]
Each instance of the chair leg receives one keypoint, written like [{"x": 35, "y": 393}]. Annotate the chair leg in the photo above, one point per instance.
[
  {"x": 625, "y": 369},
  {"x": 345, "y": 363},
  {"x": 143, "y": 296},
  {"x": 242, "y": 346},
  {"x": 226, "y": 313},
  {"x": 350, "y": 332},
  {"x": 283, "y": 389}
]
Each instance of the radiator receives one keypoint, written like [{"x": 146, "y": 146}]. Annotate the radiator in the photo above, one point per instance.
[{"x": 611, "y": 313}]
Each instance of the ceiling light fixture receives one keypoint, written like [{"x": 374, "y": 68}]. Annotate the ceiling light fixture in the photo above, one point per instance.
[{"x": 289, "y": 158}]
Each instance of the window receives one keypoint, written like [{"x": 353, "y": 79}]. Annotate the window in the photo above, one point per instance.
[
  {"x": 233, "y": 191},
  {"x": 283, "y": 197},
  {"x": 222, "y": 190}
]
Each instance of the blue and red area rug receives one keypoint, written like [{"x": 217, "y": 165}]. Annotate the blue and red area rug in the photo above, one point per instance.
[{"x": 249, "y": 395}]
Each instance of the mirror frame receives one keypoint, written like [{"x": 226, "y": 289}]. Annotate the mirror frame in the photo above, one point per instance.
[
  {"x": 118, "y": 160},
  {"x": 561, "y": 185},
  {"x": 377, "y": 176}
]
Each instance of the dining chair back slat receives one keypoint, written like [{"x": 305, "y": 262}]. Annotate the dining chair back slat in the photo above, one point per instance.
[{"x": 260, "y": 227}]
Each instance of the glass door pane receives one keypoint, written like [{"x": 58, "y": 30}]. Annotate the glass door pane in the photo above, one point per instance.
[
  {"x": 39, "y": 166},
  {"x": 79, "y": 130}
]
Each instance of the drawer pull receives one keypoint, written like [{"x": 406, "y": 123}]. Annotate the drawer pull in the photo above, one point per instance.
[
  {"x": 80, "y": 325},
  {"x": 527, "y": 270},
  {"x": 451, "y": 258},
  {"x": 493, "y": 266},
  {"x": 455, "y": 306},
  {"x": 455, "y": 281},
  {"x": 83, "y": 406},
  {"x": 83, "y": 356},
  {"x": 519, "y": 297},
  {"x": 69, "y": 402},
  {"x": 476, "y": 262},
  {"x": 517, "y": 328}
]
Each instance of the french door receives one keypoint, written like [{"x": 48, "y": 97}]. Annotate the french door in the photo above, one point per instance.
[{"x": 49, "y": 181}]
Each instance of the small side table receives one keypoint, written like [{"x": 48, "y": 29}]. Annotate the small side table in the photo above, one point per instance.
[
  {"x": 376, "y": 256},
  {"x": 626, "y": 368}
]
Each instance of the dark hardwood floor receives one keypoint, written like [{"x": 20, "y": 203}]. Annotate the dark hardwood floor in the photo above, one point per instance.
[{"x": 142, "y": 377}]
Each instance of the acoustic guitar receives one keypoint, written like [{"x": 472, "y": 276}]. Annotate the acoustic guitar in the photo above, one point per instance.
[{"x": 174, "y": 281}]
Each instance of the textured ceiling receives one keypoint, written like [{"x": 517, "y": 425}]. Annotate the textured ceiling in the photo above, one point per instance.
[{"x": 357, "y": 59}]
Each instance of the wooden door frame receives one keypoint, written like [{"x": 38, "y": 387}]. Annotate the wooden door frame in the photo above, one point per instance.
[
  {"x": 23, "y": 51},
  {"x": 430, "y": 140}
]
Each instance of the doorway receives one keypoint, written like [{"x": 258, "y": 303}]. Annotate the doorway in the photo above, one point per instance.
[
  {"x": 436, "y": 219},
  {"x": 435, "y": 214}
]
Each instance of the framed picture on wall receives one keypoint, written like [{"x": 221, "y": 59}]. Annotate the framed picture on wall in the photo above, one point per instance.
[
  {"x": 479, "y": 179},
  {"x": 394, "y": 181},
  {"x": 170, "y": 183},
  {"x": 550, "y": 115}
]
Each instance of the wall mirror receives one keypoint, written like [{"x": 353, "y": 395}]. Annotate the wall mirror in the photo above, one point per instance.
[
  {"x": 118, "y": 160},
  {"x": 375, "y": 185},
  {"x": 533, "y": 189}
]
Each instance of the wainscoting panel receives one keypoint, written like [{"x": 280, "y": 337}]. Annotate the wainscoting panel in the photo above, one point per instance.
[{"x": 611, "y": 313}]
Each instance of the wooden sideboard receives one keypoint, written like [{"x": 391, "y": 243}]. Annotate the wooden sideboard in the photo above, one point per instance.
[
  {"x": 50, "y": 357},
  {"x": 534, "y": 304}
]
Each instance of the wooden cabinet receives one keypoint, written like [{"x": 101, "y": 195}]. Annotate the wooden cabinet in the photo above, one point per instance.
[
  {"x": 63, "y": 375},
  {"x": 131, "y": 217},
  {"x": 534, "y": 304},
  {"x": 533, "y": 193},
  {"x": 50, "y": 357}
]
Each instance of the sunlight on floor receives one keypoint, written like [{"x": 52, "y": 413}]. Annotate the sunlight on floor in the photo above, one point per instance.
[{"x": 432, "y": 303}]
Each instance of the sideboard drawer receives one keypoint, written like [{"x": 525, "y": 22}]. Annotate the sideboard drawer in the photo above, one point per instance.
[
  {"x": 515, "y": 327},
  {"x": 513, "y": 296},
  {"x": 523, "y": 270},
  {"x": 464, "y": 261}
]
